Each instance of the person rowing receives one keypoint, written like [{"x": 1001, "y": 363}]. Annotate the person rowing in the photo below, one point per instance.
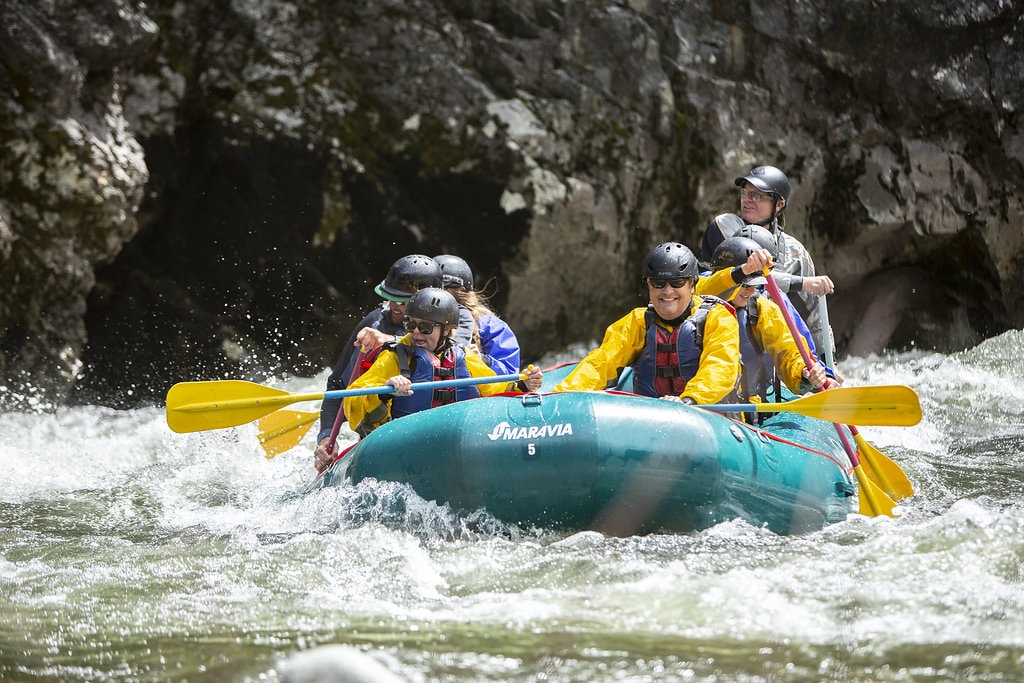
[
  {"x": 767, "y": 347},
  {"x": 719, "y": 280},
  {"x": 426, "y": 353},
  {"x": 404, "y": 278},
  {"x": 764, "y": 196}
]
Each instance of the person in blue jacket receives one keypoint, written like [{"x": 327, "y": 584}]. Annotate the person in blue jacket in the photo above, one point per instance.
[{"x": 492, "y": 338}]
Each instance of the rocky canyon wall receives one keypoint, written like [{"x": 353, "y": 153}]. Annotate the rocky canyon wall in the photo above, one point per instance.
[{"x": 195, "y": 190}]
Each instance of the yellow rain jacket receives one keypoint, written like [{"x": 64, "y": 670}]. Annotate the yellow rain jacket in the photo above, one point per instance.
[
  {"x": 771, "y": 332},
  {"x": 386, "y": 366},
  {"x": 624, "y": 339},
  {"x": 719, "y": 283}
]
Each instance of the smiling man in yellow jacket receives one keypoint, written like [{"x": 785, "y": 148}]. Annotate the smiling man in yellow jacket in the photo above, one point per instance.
[{"x": 682, "y": 347}]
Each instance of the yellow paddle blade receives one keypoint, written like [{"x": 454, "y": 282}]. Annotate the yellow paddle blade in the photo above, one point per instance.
[
  {"x": 197, "y": 406},
  {"x": 282, "y": 430},
  {"x": 884, "y": 406},
  {"x": 883, "y": 470},
  {"x": 873, "y": 501}
]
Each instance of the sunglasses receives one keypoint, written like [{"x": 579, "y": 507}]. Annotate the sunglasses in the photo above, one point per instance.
[
  {"x": 424, "y": 326},
  {"x": 660, "y": 282}
]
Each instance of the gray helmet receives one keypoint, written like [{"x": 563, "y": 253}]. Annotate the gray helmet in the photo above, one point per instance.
[
  {"x": 763, "y": 236},
  {"x": 734, "y": 252},
  {"x": 455, "y": 271},
  {"x": 434, "y": 304},
  {"x": 407, "y": 275},
  {"x": 767, "y": 179},
  {"x": 670, "y": 260}
]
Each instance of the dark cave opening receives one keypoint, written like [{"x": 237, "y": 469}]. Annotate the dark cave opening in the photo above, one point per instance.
[{"x": 223, "y": 279}]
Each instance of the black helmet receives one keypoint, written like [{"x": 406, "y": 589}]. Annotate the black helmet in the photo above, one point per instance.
[
  {"x": 734, "y": 252},
  {"x": 767, "y": 179},
  {"x": 434, "y": 304},
  {"x": 763, "y": 236},
  {"x": 455, "y": 271},
  {"x": 407, "y": 275},
  {"x": 670, "y": 260}
]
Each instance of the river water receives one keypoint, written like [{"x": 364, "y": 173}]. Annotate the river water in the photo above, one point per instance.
[{"x": 131, "y": 553}]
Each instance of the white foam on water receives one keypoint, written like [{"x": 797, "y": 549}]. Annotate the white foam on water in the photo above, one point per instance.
[{"x": 120, "y": 532}]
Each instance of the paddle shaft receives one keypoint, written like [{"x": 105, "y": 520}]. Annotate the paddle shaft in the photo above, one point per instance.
[
  {"x": 776, "y": 295},
  {"x": 873, "y": 501},
  {"x": 272, "y": 402},
  {"x": 340, "y": 417},
  {"x": 823, "y": 307},
  {"x": 198, "y": 406},
  {"x": 809, "y": 360},
  {"x": 753, "y": 408},
  {"x": 420, "y": 386}
]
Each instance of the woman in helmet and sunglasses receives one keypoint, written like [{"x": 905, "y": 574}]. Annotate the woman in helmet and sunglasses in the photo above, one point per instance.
[
  {"x": 405, "y": 276},
  {"x": 682, "y": 347},
  {"x": 426, "y": 353}
]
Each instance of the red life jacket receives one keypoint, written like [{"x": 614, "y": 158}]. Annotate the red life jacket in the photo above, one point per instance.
[{"x": 670, "y": 359}]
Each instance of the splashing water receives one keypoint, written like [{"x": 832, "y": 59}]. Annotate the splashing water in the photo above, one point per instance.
[{"x": 128, "y": 552}]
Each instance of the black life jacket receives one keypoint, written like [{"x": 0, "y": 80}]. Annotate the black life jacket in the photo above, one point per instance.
[{"x": 758, "y": 376}]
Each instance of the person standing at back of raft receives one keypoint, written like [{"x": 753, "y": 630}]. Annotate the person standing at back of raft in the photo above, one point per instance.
[
  {"x": 767, "y": 347},
  {"x": 764, "y": 194},
  {"x": 427, "y": 353},
  {"x": 492, "y": 338},
  {"x": 682, "y": 347}
]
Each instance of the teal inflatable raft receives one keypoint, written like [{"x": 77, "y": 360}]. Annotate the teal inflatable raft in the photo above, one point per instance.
[{"x": 617, "y": 463}]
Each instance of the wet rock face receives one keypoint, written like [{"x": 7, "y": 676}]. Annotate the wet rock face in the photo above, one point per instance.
[
  {"x": 71, "y": 178},
  {"x": 211, "y": 189}
]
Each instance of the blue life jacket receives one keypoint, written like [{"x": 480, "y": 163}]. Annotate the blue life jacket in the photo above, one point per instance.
[
  {"x": 420, "y": 365},
  {"x": 669, "y": 360}
]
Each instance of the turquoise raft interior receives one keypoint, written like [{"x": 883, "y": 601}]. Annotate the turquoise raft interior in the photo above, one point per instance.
[{"x": 613, "y": 462}]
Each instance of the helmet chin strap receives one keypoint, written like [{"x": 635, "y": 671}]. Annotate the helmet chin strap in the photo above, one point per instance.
[
  {"x": 775, "y": 213},
  {"x": 445, "y": 341}
]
